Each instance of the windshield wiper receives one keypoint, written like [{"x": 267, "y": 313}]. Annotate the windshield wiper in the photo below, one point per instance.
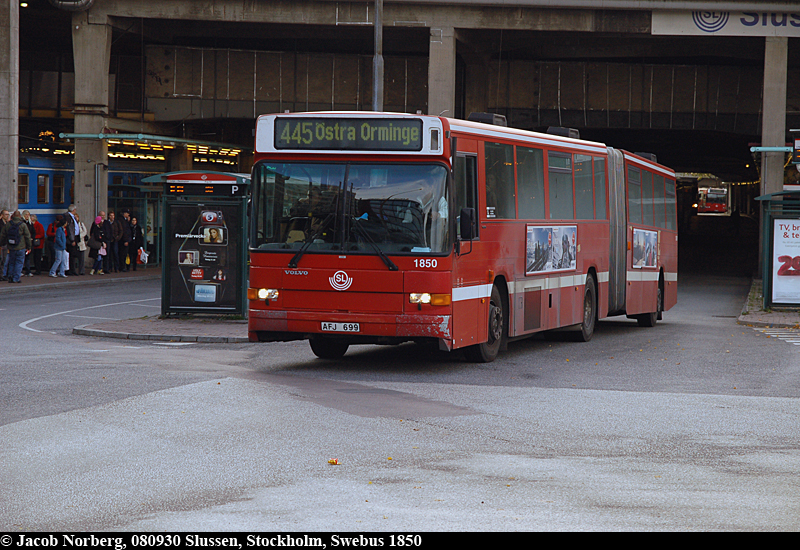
[
  {"x": 363, "y": 232},
  {"x": 308, "y": 241}
]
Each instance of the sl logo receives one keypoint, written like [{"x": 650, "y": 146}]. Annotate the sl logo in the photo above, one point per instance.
[{"x": 340, "y": 280}]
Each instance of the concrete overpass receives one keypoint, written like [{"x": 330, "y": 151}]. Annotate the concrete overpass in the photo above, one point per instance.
[{"x": 644, "y": 75}]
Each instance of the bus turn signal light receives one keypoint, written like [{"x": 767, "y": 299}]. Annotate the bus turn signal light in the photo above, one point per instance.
[{"x": 432, "y": 299}]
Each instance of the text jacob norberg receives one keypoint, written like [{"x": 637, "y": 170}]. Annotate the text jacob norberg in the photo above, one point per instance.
[{"x": 76, "y": 541}]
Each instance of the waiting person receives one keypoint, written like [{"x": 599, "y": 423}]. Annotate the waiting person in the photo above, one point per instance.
[
  {"x": 110, "y": 228},
  {"x": 137, "y": 242},
  {"x": 83, "y": 236},
  {"x": 50, "y": 237},
  {"x": 60, "y": 248},
  {"x": 5, "y": 217},
  {"x": 96, "y": 235},
  {"x": 17, "y": 238},
  {"x": 125, "y": 240},
  {"x": 73, "y": 230},
  {"x": 27, "y": 268},
  {"x": 38, "y": 244}
]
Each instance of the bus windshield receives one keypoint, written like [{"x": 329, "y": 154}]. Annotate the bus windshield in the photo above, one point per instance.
[{"x": 340, "y": 206}]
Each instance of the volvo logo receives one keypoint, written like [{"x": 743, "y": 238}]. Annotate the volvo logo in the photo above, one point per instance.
[
  {"x": 710, "y": 21},
  {"x": 340, "y": 281}
]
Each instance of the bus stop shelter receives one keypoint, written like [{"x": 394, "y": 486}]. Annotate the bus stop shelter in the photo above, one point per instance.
[
  {"x": 780, "y": 262},
  {"x": 204, "y": 243}
]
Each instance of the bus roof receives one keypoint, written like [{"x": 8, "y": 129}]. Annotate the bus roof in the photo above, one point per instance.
[
  {"x": 431, "y": 140},
  {"x": 504, "y": 132}
]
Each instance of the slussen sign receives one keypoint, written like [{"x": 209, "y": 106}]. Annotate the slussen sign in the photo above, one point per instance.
[{"x": 360, "y": 134}]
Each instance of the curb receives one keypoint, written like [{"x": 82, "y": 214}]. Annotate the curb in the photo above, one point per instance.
[
  {"x": 18, "y": 289},
  {"x": 84, "y": 331},
  {"x": 755, "y": 297}
]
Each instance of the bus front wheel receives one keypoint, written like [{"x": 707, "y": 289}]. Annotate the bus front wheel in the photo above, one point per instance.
[
  {"x": 327, "y": 348},
  {"x": 487, "y": 351}
]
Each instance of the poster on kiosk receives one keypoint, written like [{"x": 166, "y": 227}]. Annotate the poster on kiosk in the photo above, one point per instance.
[
  {"x": 203, "y": 255},
  {"x": 786, "y": 261}
]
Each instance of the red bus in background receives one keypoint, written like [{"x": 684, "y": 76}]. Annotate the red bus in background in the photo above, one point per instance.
[
  {"x": 712, "y": 200},
  {"x": 382, "y": 228}
]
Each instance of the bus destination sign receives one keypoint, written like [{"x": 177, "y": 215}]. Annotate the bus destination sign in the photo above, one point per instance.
[{"x": 348, "y": 134}]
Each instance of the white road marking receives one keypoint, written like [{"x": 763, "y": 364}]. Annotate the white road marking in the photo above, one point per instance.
[
  {"x": 173, "y": 343},
  {"x": 25, "y": 324},
  {"x": 791, "y": 336}
]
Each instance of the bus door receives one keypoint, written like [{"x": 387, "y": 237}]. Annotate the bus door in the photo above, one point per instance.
[{"x": 468, "y": 314}]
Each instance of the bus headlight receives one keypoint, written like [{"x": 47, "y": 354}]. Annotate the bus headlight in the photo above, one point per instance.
[
  {"x": 262, "y": 293},
  {"x": 428, "y": 298}
]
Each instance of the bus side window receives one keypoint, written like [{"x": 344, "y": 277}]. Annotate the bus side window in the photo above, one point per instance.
[
  {"x": 530, "y": 181},
  {"x": 599, "y": 188},
  {"x": 647, "y": 198},
  {"x": 671, "y": 205},
  {"x": 660, "y": 201},
  {"x": 466, "y": 185},
  {"x": 634, "y": 195},
  {"x": 562, "y": 195},
  {"x": 500, "y": 188},
  {"x": 584, "y": 197}
]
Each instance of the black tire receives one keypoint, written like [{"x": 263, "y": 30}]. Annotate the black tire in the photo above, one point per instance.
[
  {"x": 327, "y": 348},
  {"x": 649, "y": 319},
  {"x": 487, "y": 351},
  {"x": 589, "y": 311}
]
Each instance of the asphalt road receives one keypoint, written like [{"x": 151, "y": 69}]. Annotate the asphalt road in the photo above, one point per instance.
[{"x": 690, "y": 425}]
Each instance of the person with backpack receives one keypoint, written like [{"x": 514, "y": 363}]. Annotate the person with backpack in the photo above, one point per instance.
[{"x": 16, "y": 236}]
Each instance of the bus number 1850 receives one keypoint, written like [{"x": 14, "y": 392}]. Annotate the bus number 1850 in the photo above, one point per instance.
[{"x": 425, "y": 262}]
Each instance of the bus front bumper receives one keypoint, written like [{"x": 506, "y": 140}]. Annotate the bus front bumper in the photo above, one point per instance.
[{"x": 297, "y": 324}]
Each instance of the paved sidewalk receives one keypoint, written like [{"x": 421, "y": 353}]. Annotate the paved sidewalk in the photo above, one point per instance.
[
  {"x": 184, "y": 328},
  {"x": 45, "y": 282},
  {"x": 754, "y": 315}
]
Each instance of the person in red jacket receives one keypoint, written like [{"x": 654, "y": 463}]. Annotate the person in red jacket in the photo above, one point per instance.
[
  {"x": 38, "y": 249},
  {"x": 50, "y": 235}
]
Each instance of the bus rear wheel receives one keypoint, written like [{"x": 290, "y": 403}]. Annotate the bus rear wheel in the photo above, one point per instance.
[
  {"x": 589, "y": 311},
  {"x": 487, "y": 351},
  {"x": 327, "y": 348},
  {"x": 649, "y": 319}
]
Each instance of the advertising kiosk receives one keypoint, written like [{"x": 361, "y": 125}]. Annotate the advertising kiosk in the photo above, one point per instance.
[{"x": 204, "y": 249}]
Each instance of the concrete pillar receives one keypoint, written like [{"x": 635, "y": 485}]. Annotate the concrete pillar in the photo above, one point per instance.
[
  {"x": 9, "y": 102},
  {"x": 773, "y": 130},
  {"x": 179, "y": 160},
  {"x": 91, "y": 49},
  {"x": 442, "y": 72}
]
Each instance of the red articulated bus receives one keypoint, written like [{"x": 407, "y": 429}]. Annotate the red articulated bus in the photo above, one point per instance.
[{"x": 382, "y": 228}]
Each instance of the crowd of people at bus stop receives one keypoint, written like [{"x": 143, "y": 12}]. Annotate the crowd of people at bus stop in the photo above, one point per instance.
[{"x": 66, "y": 247}]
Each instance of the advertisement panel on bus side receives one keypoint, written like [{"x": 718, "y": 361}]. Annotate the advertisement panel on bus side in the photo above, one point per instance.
[{"x": 550, "y": 248}]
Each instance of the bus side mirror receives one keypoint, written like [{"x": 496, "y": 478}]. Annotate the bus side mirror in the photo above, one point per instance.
[{"x": 467, "y": 224}]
